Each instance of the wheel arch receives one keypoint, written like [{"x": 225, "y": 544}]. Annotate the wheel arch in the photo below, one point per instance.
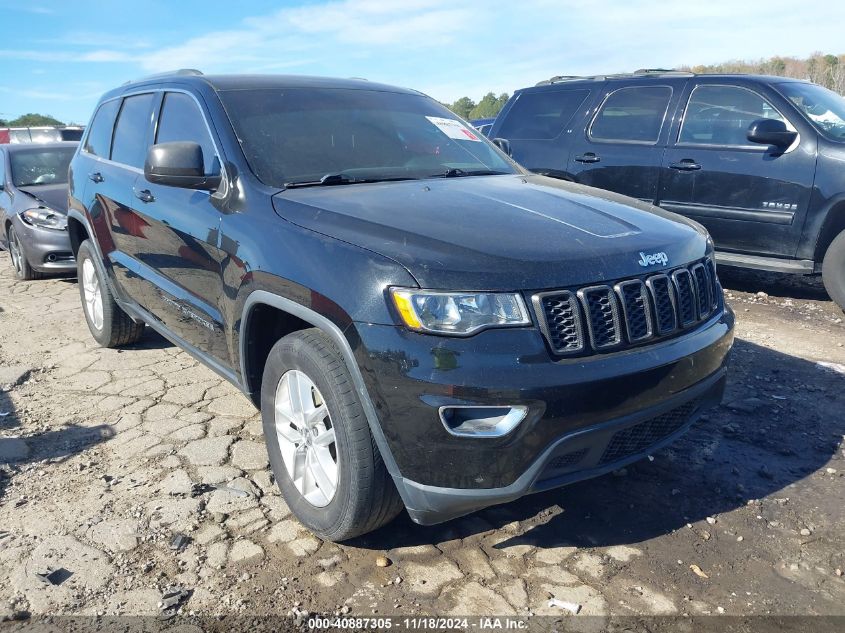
[
  {"x": 262, "y": 300},
  {"x": 77, "y": 232},
  {"x": 834, "y": 224}
]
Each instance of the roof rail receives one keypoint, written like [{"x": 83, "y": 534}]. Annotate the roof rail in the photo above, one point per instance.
[
  {"x": 560, "y": 78},
  {"x": 642, "y": 72},
  {"x": 190, "y": 72}
]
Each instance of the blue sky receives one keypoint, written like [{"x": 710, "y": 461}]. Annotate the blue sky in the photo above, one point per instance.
[{"x": 57, "y": 57}]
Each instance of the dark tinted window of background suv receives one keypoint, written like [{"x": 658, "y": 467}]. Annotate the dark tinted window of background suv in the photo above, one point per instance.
[
  {"x": 633, "y": 115},
  {"x": 721, "y": 115},
  {"x": 99, "y": 136},
  {"x": 541, "y": 115},
  {"x": 129, "y": 146},
  {"x": 181, "y": 120}
]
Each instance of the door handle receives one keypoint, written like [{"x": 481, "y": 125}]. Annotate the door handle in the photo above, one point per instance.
[
  {"x": 589, "y": 157},
  {"x": 95, "y": 176},
  {"x": 685, "y": 165},
  {"x": 144, "y": 195}
]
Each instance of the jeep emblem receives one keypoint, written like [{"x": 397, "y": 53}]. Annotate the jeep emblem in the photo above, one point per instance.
[{"x": 652, "y": 259}]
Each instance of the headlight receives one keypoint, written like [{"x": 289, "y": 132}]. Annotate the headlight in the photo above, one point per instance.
[
  {"x": 45, "y": 219},
  {"x": 458, "y": 313}
]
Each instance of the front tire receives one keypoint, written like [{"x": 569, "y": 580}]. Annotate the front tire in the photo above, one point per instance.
[
  {"x": 833, "y": 270},
  {"x": 322, "y": 453},
  {"x": 109, "y": 324},
  {"x": 23, "y": 270}
]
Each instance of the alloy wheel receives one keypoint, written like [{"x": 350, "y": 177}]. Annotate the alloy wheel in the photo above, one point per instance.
[
  {"x": 92, "y": 294},
  {"x": 16, "y": 252},
  {"x": 306, "y": 438}
]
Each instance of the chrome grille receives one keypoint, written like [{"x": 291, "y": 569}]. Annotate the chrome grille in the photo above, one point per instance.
[{"x": 629, "y": 312}]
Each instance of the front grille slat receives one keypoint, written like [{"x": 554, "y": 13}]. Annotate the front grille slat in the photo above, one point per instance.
[
  {"x": 561, "y": 321},
  {"x": 630, "y": 312},
  {"x": 687, "y": 300},
  {"x": 703, "y": 289},
  {"x": 664, "y": 303},
  {"x": 633, "y": 295},
  {"x": 602, "y": 313}
]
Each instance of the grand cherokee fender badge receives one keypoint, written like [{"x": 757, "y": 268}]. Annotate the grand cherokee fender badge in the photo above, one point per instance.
[{"x": 652, "y": 259}]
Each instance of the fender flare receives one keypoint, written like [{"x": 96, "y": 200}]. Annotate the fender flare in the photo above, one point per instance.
[
  {"x": 339, "y": 339},
  {"x": 80, "y": 217}
]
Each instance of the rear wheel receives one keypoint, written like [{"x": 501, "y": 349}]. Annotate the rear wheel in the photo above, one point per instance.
[
  {"x": 109, "y": 324},
  {"x": 323, "y": 455},
  {"x": 23, "y": 270},
  {"x": 833, "y": 270}
]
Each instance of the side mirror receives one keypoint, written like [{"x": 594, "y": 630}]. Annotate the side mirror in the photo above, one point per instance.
[
  {"x": 178, "y": 164},
  {"x": 771, "y": 132},
  {"x": 503, "y": 144}
]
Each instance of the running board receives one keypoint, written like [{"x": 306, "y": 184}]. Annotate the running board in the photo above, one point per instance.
[{"x": 774, "y": 264}]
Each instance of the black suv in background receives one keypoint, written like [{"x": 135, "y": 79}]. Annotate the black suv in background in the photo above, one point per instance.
[
  {"x": 756, "y": 159},
  {"x": 422, "y": 322}
]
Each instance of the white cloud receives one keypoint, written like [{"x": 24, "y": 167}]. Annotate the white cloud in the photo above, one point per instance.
[
  {"x": 327, "y": 29},
  {"x": 450, "y": 49}
]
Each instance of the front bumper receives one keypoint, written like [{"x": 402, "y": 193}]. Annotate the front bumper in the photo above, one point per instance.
[
  {"x": 46, "y": 250},
  {"x": 586, "y": 415}
]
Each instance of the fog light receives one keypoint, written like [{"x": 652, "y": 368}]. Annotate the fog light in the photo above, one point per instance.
[{"x": 468, "y": 421}]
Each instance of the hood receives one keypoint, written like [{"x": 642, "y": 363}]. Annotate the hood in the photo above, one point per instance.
[
  {"x": 498, "y": 232},
  {"x": 53, "y": 196}
]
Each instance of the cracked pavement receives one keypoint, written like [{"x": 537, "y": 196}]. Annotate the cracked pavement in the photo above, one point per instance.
[{"x": 105, "y": 455}]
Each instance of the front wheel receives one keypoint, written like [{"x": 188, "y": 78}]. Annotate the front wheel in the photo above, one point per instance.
[
  {"x": 321, "y": 450},
  {"x": 23, "y": 270},
  {"x": 109, "y": 324},
  {"x": 833, "y": 270}
]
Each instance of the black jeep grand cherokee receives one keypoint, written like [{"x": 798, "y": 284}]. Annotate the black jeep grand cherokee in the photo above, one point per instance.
[{"x": 422, "y": 322}]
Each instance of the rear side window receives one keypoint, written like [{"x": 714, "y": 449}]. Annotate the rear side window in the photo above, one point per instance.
[
  {"x": 721, "y": 115},
  {"x": 20, "y": 136},
  {"x": 541, "y": 115},
  {"x": 130, "y": 133},
  {"x": 632, "y": 115},
  {"x": 99, "y": 136},
  {"x": 182, "y": 120}
]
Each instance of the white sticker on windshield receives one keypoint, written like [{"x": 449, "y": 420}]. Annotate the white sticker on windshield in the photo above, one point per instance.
[{"x": 453, "y": 128}]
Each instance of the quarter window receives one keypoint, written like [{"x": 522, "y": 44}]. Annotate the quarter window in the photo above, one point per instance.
[
  {"x": 98, "y": 141},
  {"x": 632, "y": 115},
  {"x": 129, "y": 146},
  {"x": 182, "y": 120},
  {"x": 541, "y": 115},
  {"x": 721, "y": 115}
]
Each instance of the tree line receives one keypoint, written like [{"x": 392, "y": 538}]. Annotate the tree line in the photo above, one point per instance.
[
  {"x": 30, "y": 120},
  {"x": 825, "y": 70},
  {"x": 487, "y": 108}
]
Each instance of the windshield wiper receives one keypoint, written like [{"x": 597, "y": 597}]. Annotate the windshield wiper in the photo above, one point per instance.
[
  {"x": 341, "y": 179},
  {"x": 455, "y": 172}
]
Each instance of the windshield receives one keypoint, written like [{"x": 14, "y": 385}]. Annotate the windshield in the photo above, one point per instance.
[
  {"x": 302, "y": 135},
  {"x": 824, "y": 108},
  {"x": 40, "y": 166}
]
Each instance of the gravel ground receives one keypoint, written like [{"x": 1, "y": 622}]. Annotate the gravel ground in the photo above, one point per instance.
[{"x": 106, "y": 456}]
